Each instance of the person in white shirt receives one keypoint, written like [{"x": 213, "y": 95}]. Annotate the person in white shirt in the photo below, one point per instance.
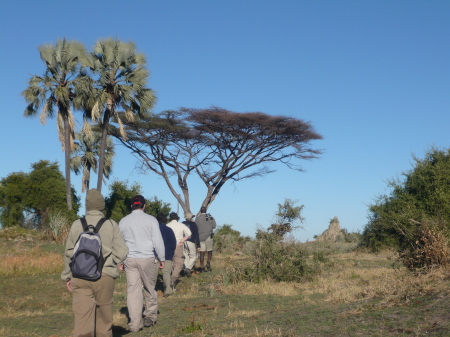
[{"x": 182, "y": 233}]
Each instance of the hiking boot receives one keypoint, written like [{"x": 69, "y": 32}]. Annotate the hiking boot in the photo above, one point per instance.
[
  {"x": 187, "y": 272},
  {"x": 208, "y": 266},
  {"x": 148, "y": 322}
]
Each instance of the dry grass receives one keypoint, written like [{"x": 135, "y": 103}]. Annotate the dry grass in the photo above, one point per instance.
[
  {"x": 349, "y": 281},
  {"x": 31, "y": 262}
]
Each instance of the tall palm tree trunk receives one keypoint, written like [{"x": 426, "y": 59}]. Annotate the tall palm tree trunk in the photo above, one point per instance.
[
  {"x": 101, "y": 163},
  {"x": 67, "y": 150}
]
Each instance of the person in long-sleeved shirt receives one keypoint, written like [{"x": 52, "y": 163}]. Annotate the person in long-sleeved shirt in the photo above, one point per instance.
[
  {"x": 182, "y": 233},
  {"x": 93, "y": 300},
  {"x": 170, "y": 243},
  {"x": 146, "y": 253},
  {"x": 192, "y": 245}
]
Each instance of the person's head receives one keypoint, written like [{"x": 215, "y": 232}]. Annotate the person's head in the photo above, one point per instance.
[
  {"x": 94, "y": 200},
  {"x": 138, "y": 202},
  {"x": 174, "y": 216},
  {"x": 203, "y": 209},
  {"x": 189, "y": 216},
  {"x": 161, "y": 217}
]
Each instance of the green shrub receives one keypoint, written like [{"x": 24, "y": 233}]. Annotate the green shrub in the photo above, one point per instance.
[
  {"x": 229, "y": 241},
  {"x": 275, "y": 261},
  {"x": 415, "y": 218}
]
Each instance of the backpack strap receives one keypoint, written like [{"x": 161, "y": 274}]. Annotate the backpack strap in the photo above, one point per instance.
[
  {"x": 99, "y": 224},
  {"x": 84, "y": 224}
]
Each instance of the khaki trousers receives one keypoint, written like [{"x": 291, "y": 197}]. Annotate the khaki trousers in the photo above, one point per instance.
[
  {"x": 178, "y": 262},
  {"x": 141, "y": 273},
  {"x": 166, "y": 272},
  {"x": 190, "y": 254},
  {"x": 93, "y": 306}
]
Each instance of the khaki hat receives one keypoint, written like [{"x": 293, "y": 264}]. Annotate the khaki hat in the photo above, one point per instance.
[{"x": 188, "y": 216}]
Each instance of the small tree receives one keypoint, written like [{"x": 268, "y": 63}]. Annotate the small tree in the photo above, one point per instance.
[
  {"x": 118, "y": 202},
  {"x": 86, "y": 154},
  {"x": 27, "y": 199},
  {"x": 287, "y": 219}
]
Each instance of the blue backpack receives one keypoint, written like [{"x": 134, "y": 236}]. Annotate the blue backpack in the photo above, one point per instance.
[{"x": 87, "y": 260}]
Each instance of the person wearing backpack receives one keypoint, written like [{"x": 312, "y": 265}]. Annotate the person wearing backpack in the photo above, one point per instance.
[
  {"x": 92, "y": 292},
  {"x": 146, "y": 254},
  {"x": 206, "y": 224}
]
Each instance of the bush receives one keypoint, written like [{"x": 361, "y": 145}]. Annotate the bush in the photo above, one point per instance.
[
  {"x": 229, "y": 241},
  {"x": 274, "y": 261},
  {"x": 407, "y": 219},
  {"x": 429, "y": 248}
]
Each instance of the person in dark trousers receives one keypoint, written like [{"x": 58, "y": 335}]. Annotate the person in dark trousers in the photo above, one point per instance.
[
  {"x": 192, "y": 245},
  {"x": 206, "y": 224},
  {"x": 93, "y": 300},
  {"x": 170, "y": 243}
]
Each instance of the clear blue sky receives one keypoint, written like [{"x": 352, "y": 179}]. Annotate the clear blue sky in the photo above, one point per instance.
[{"x": 373, "y": 77}]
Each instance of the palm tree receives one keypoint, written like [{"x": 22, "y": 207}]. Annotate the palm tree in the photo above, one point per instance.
[
  {"x": 54, "y": 91},
  {"x": 120, "y": 90},
  {"x": 85, "y": 156}
]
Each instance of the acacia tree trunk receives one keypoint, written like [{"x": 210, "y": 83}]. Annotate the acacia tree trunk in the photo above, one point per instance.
[{"x": 67, "y": 150}]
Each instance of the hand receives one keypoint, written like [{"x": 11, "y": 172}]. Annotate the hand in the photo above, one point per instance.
[
  {"x": 198, "y": 248},
  {"x": 180, "y": 243},
  {"x": 69, "y": 285},
  {"x": 161, "y": 264},
  {"x": 121, "y": 266}
]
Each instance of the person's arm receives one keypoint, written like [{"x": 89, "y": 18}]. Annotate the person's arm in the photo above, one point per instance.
[
  {"x": 187, "y": 234},
  {"x": 119, "y": 249},
  {"x": 157, "y": 240},
  {"x": 66, "y": 275},
  {"x": 172, "y": 240}
]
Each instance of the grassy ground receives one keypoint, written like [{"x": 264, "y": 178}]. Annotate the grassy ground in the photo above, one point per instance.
[{"x": 358, "y": 294}]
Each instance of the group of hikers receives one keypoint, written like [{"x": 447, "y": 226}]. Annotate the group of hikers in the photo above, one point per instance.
[{"x": 140, "y": 245}]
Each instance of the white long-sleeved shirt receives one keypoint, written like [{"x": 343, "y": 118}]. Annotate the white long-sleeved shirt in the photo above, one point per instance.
[
  {"x": 180, "y": 230},
  {"x": 142, "y": 236}
]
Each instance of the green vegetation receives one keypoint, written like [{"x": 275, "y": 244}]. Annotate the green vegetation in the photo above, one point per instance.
[
  {"x": 415, "y": 217},
  {"x": 86, "y": 154},
  {"x": 229, "y": 241},
  {"x": 118, "y": 202},
  {"x": 288, "y": 218},
  {"x": 30, "y": 199}
]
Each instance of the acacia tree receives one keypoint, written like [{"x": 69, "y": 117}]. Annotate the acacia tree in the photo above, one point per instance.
[
  {"x": 54, "y": 91},
  {"x": 86, "y": 154},
  {"x": 118, "y": 90},
  {"x": 217, "y": 146}
]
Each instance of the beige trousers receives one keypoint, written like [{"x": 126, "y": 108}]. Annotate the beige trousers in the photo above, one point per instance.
[
  {"x": 190, "y": 254},
  {"x": 166, "y": 272},
  {"x": 178, "y": 262},
  {"x": 93, "y": 306},
  {"x": 141, "y": 274}
]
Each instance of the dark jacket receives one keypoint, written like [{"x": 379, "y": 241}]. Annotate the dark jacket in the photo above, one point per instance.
[
  {"x": 170, "y": 242},
  {"x": 194, "y": 238}
]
